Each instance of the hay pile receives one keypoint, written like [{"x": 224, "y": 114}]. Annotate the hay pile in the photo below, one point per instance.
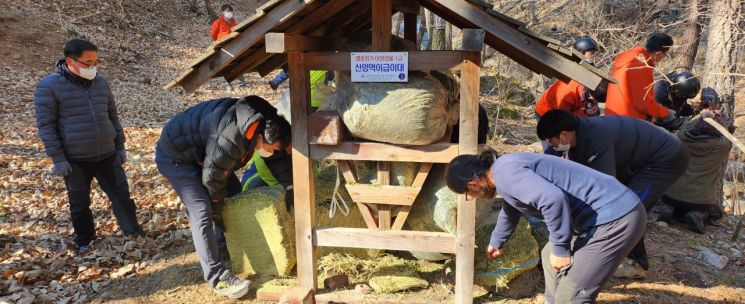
[
  {"x": 521, "y": 253},
  {"x": 385, "y": 273},
  {"x": 423, "y": 109}
]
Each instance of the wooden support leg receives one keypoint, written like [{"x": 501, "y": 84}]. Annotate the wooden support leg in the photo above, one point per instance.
[
  {"x": 465, "y": 236},
  {"x": 302, "y": 171},
  {"x": 384, "y": 211},
  {"x": 403, "y": 213},
  {"x": 298, "y": 295}
]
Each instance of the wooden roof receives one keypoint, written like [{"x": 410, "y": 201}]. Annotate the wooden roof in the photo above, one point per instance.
[{"x": 244, "y": 51}]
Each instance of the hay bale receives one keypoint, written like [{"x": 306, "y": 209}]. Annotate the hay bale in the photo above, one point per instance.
[
  {"x": 423, "y": 108},
  {"x": 435, "y": 209},
  {"x": 393, "y": 283},
  {"x": 520, "y": 255},
  {"x": 260, "y": 232}
]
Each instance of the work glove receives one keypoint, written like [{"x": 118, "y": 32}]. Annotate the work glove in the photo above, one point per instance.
[
  {"x": 61, "y": 169},
  {"x": 123, "y": 156},
  {"x": 670, "y": 115}
]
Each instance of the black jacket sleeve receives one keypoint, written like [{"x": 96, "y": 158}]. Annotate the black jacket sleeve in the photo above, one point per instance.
[{"x": 46, "y": 121}]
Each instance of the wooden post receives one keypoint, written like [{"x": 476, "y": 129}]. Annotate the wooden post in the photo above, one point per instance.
[
  {"x": 384, "y": 211},
  {"x": 302, "y": 170},
  {"x": 382, "y": 10},
  {"x": 465, "y": 236},
  {"x": 410, "y": 22}
]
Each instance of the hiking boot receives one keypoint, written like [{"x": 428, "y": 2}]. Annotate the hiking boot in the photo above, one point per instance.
[
  {"x": 630, "y": 270},
  {"x": 83, "y": 250},
  {"x": 695, "y": 221},
  {"x": 664, "y": 213},
  {"x": 230, "y": 286}
]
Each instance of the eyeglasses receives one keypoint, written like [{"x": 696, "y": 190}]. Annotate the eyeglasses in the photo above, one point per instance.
[{"x": 85, "y": 65}]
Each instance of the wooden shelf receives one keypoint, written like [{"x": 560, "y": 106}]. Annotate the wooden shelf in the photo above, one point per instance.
[
  {"x": 384, "y": 195},
  {"x": 371, "y": 151},
  {"x": 385, "y": 239}
]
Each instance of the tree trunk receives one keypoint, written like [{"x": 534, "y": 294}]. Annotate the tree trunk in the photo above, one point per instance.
[
  {"x": 721, "y": 60},
  {"x": 422, "y": 28},
  {"x": 430, "y": 29},
  {"x": 210, "y": 12},
  {"x": 439, "y": 40},
  {"x": 398, "y": 19},
  {"x": 721, "y": 54},
  {"x": 686, "y": 55}
]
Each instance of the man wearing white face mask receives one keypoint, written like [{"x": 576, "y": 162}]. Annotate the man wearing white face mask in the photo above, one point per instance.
[
  {"x": 221, "y": 27},
  {"x": 646, "y": 158},
  {"x": 198, "y": 152},
  {"x": 78, "y": 122}
]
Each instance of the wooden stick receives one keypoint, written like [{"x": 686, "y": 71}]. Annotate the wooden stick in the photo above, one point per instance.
[{"x": 726, "y": 133}]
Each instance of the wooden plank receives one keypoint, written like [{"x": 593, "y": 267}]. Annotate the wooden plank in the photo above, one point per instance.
[
  {"x": 347, "y": 171},
  {"x": 466, "y": 216},
  {"x": 410, "y": 22},
  {"x": 421, "y": 176},
  {"x": 387, "y": 194},
  {"x": 406, "y": 6},
  {"x": 250, "y": 20},
  {"x": 418, "y": 60},
  {"x": 382, "y": 10},
  {"x": 270, "y": 65},
  {"x": 282, "y": 43},
  {"x": 302, "y": 171},
  {"x": 539, "y": 36},
  {"x": 513, "y": 43},
  {"x": 378, "y": 196},
  {"x": 271, "y": 293},
  {"x": 246, "y": 64},
  {"x": 385, "y": 239},
  {"x": 298, "y": 295},
  {"x": 350, "y": 10},
  {"x": 384, "y": 217},
  {"x": 224, "y": 40},
  {"x": 240, "y": 44},
  {"x": 367, "y": 215},
  {"x": 434, "y": 153},
  {"x": 325, "y": 128},
  {"x": 403, "y": 213},
  {"x": 268, "y": 5},
  {"x": 473, "y": 40},
  {"x": 384, "y": 173}
]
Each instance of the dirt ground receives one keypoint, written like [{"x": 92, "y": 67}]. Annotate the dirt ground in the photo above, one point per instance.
[{"x": 144, "y": 44}]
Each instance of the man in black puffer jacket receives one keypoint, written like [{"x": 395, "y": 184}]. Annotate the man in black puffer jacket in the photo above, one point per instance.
[
  {"x": 77, "y": 120},
  {"x": 198, "y": 152}
]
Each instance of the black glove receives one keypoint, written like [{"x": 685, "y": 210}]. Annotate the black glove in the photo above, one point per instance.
[{"x": 62, "y": 169}]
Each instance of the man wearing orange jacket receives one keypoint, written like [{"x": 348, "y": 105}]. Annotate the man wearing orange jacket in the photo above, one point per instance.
[
  {"x": 222, "y": 27},
  {"x": 633, "y": 95},
  {"x": 572, "y": 97}
]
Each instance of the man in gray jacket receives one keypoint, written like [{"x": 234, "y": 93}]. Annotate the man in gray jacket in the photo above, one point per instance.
[
  {"x": 77, "y": 120},
  {"x": 642, "y": 156}
]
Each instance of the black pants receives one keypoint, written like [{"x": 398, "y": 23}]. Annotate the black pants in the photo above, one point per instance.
[{"x": 110, "y": 176}]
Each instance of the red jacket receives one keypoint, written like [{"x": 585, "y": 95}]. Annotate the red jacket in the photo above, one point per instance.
[
  {"x": 565, "y": 96},
  {"x": 634, "y": 94},
  {"x": 221, "y": 28}
]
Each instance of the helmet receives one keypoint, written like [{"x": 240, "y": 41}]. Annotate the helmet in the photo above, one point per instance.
[
  {"x": 585, "y": 44},
  {"x": 684, "y": 85}
]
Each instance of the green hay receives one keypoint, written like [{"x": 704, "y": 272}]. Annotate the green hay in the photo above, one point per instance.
[
  {"x": 521, "y": 253},
  {"x": 362, "y": 270},
  {"x": 391, "y": 284}
]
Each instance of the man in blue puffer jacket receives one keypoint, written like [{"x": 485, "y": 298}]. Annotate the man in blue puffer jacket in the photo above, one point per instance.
[{"x": 77, "y": 120}]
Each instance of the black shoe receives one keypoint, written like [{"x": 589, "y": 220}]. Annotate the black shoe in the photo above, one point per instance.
[
  {"x": 273, "y": 85},
  {"x": 695, "y": 221},
  {"x": 83, "y": 250},
  {"x": 665, "y": 213}
]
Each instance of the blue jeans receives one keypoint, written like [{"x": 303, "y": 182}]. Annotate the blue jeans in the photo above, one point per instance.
[{"x": 186, "y": 179}]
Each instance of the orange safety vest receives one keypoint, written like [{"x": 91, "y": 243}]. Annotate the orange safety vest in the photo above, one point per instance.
[
  {"x": 221, "y": 28},
  {"x": 633, "y": 95},
  {"x": 561, "y": 95}
]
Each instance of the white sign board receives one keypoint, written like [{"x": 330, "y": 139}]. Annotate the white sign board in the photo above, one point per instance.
[{"x": 380, "y": 67}]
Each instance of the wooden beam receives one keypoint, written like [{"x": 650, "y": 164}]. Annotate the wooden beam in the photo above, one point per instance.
[
  {"x": 367, "y": 215},
  {"x": 237, "y": 46},
  {"x": 302, "y": 171},
  {"x": 385, "y": 239},
  {"x": 434, "y": 153},
  {"x": 283, "y": 43},
  {"x": 401, "y": 216},
  {"x": 514, "y": 43},
  {"x": 466, "y": 216},
  {"x": 379, "y": 196},
  {"x": 271, "y": 64},
  {"x": 246, "y": 64},
  {"x": 421, "y": 176},
  {"x": 473, "y": 40},
  {"x": 298, "y": 295},
  {"x": 382, "y": 10},
  {"x": 410, "y": 22},
  {"x": 385, "y": 195},
  {"x": 406, "y": 6},
  {"x": 418, "y": 60},
  {"x": 347, "y": 170}
]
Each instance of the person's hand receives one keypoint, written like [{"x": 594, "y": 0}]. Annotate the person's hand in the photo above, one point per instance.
[
  {"x": 123, "y": 156},
  {"x": 559, "y": 263},
  {"x": 61, "y": 169},
  {"x": 670, "y": 115},
  {"x": 492, "y": 253},
  {"x": 593, "y": 110}
]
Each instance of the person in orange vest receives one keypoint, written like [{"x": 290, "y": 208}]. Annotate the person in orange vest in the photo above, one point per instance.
[
  {"x": 221, "y": 27},
  {"x": 633, "y": 95}
]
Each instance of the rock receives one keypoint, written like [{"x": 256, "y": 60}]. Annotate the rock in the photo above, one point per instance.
[
  {"x": 735, "y": 253},
  {"x": 712, "y": 259},
  {"x": 336, "y": 282},
  {"x": 26, "y": 300},
  {"x": 362, "y": 288},
  {"x": 662, "y": 224}
]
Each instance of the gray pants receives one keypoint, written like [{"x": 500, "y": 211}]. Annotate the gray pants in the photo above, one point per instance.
[
  {"x": 597, "y": 254},
  {"x": 186, "y": 179}
]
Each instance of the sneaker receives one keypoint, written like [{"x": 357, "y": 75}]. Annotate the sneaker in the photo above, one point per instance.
[
  {"x": 695, "y": 221},
  {"x": 83, "y": 250},
  {"x": 273, "y": 85},
  {"x": 630, "y": 270},
  {"x": 230, "y": 286}
]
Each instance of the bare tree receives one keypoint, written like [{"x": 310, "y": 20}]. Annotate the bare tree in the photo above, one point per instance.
[
  {"x": 686, "y": 54},
  {"x": 210, "y": 11},
  {"x": 721, "y": 54},
  {"x": 439, "y": 34},
  {"x": 422, "y": 28},
  {"x": 398, "y": 19}
]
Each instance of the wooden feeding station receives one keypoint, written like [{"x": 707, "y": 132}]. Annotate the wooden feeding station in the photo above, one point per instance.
[{"x": 301, "y": 34}]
